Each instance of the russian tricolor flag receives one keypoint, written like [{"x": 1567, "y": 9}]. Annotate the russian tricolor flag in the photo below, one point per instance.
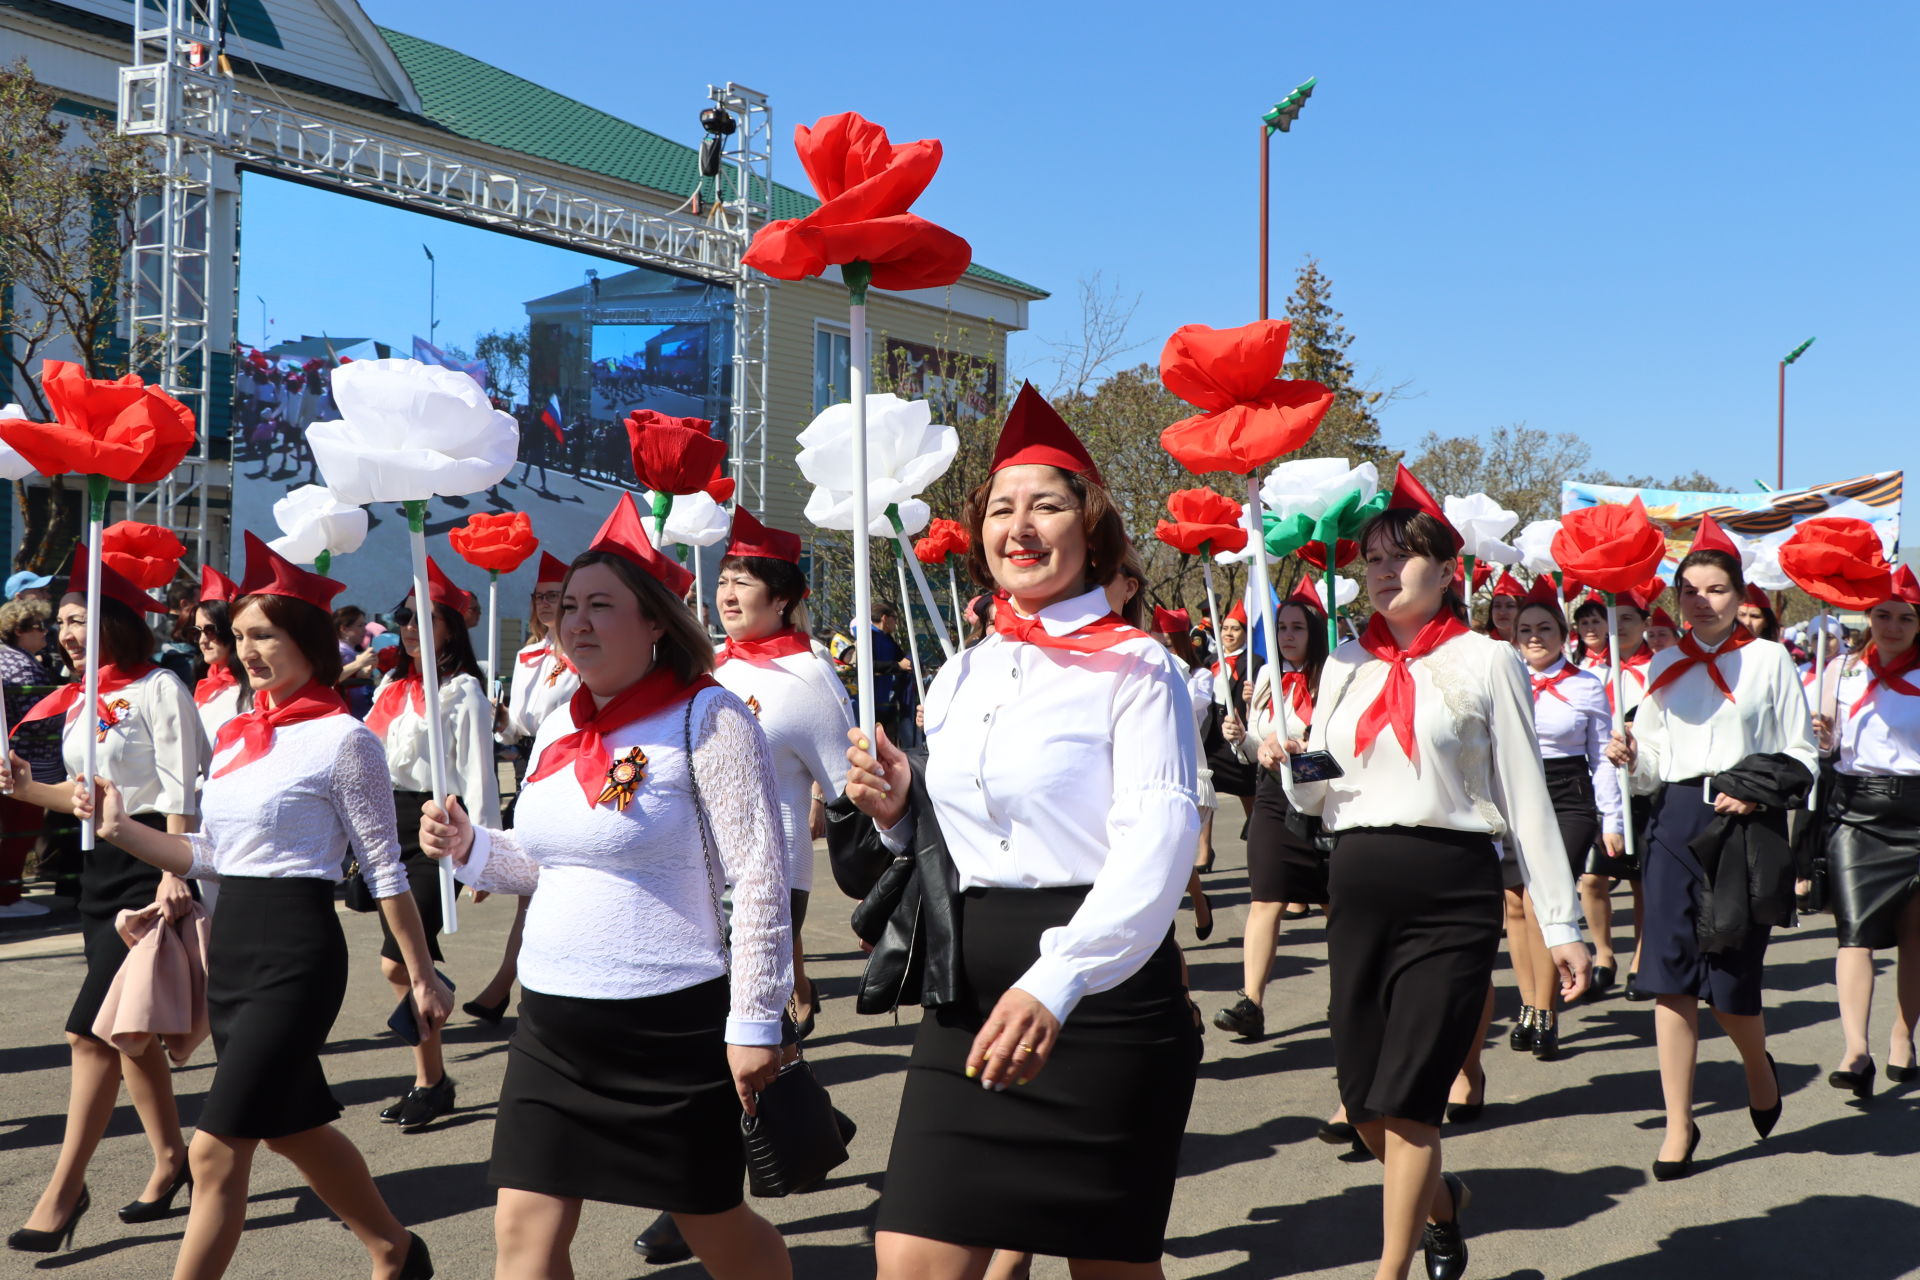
[{"x": 550, "y": 417}]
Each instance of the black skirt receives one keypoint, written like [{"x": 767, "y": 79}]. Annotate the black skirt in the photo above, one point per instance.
[
  {"x": 1412, "y": 931},
  {"x": 626, "y": 1101},
  {"x": 1873, "y": 856},
  {"x": 1282, "y": 863},
  {"x": 423, "y": 877},
  {"x": 1080, "y": 1163},
  {"x": 1570, "y": 787},
  {"x": 111, "y": 881},
  {"x": 276, "y": 974},
  {"x": 1671, "y": 962}
]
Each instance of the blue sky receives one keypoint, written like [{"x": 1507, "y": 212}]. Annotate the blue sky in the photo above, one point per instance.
[{"x": 1609, "y": 220}]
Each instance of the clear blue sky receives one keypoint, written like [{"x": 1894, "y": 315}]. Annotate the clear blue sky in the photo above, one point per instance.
[{"x": 1607, "y": 220}]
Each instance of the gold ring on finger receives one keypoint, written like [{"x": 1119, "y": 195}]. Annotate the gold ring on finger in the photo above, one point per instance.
[{"x": 1024, "y": 1048}]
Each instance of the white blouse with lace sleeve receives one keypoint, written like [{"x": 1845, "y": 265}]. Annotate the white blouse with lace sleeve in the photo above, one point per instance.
[{"x": 623, "y": 902}]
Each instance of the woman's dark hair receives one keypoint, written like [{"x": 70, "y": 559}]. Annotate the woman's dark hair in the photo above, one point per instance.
[
  {"x": 220, "y": 614},
  {"x": 1725, "y": 561},
  {"x": 782, "y": 579},
  {"x": 1181, "y": 642},
  {"x": 1419, "y": 534},
  {"x": 1106, "y": 534},
  {"x": 684, "y": 647},
  {"x": 1135, "y": 609},
  {"x": 125, "y": 641},
  {"x": 310, "y": 627},
  {"x": 1316, "y": 641},
  {"x": 1559, "y": 618},
  {"x": 348, "y": 615},
  {"x": 1589, "y": 608},
  {"x": 456, "y": 656}
]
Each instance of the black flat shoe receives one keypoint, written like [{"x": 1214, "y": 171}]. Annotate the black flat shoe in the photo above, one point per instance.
[
  {"x": 1463, "y": 1112},
  {"x": 154, "y": 1210},
  {"x": 1674, "y": 1170},
  {"x": 1337, "y": 1133},
  {"x": 27, "y": 1240},
  {"x": 1520, "y": 1039},
  {"x": 419, "y": 1263},
  {"x": 661, "y": 1244},
  {"x": 390, "y": 1114},
  {"x": 1546, "y": 1036},
  {"x": 489, "y": 1014},
  {"x": 1245, "y": 1019},
  {"x": 1602, "y": 979},
  {"x": 425, "y": 1105},
  {"x": 1445, "y": 1243},
  {"x": 1296, "y": 915},
  {"x": 1633, "y": 991},
  {"x": 1763, "y": 1121},
  {"x": 1861, "y": 1082}
]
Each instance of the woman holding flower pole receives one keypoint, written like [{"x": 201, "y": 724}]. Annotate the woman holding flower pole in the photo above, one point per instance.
[
  {"x": 1431, "y": 728},
  {"x": 643, "y": 1034},
  {"x": 1053, "y": 1070}
]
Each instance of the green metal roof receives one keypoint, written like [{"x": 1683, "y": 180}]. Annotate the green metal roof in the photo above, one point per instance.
[{"x": 476, "y": 100}]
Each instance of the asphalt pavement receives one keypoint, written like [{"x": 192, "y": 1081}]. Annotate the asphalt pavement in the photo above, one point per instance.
[{"x": 1558, "y": 1162}]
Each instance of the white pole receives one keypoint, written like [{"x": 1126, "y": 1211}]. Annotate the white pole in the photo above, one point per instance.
[
  {"x": 90, "y": 708},
  {"x": 1264, "y": 599},
  {"x": 699, "y": 588},
  {"x": 913, "y": 640},
  {"x": 960, "y": 621},
  {"x": 1213, "y": 605},
  {"x": 927, "y": 597},
  {"x": 430, "y": 689},
  {"x": 1619, "y": 675},
  {"x": 493, "y": 629},
  {"x": 862, "y": 553},
  {"x": 1820, "y": 698}
]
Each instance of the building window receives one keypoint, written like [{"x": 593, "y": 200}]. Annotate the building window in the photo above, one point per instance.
[{"x": 832, "y": 380}]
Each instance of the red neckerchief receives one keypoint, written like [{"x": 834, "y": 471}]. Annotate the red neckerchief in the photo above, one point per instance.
[
  {"x": 534, "y": 657},
  {"x": 65, "y": 701},
  {"x": 1103, "y": 633},
  {"x": 216, "y": 682},
  {"x": 1299, "y": 697},
  {"x": 783, "y": 643},
  {"x": 254, "y": 730},
  {"x": 394, "y": 697},
  {"x": 1545, "y": 684},
  {"x": 1695, "y": 654},
  {"x": 1892, "y": 677},
  {"x": 1230, "y": 662},
  {"x": 1394, "y": 706},
  {"x": 1592, "y": 660},
  {"x": 1636, "y": 666},
  {"x": 585, "y": 748}
]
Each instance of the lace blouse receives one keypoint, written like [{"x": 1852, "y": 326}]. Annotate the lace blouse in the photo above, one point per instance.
[{"x": 624, "y": 901}]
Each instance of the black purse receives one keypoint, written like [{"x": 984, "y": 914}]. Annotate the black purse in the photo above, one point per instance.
[
  {"x": 357, "y": 896},
  {"x": 793, "y": 1140}
]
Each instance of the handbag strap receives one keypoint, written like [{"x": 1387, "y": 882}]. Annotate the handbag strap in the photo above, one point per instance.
[{"x": 706, "y": 844}]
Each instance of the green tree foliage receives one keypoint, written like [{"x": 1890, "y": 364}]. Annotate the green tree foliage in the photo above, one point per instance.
[
  {"x": 1518, "y": 466},
  {"x": 505, "y": 353}
]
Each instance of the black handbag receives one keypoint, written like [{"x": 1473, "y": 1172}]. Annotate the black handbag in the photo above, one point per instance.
[
  {"x": 792, "y": 1141},
  {"x": 357, "y": 896}
]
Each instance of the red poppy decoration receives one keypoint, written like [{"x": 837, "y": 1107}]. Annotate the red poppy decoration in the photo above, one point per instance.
[
  {"x": 1201, "y": 517},
  {"x": 144, "y": 554},
  {"x": 866, "y": 186},
  {"x": 1250, "y": 414},
  {"x": 944, "y": 538},
  {"x": 497, "y": 543},
  {"x": 676, "y": 455},
  {"x": 1838, "y": 559},
  {"x": 121, "y": 429},
  {"x": 1610, "y": 547}
]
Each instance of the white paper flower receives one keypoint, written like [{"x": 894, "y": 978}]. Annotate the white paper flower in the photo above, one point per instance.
[
  {"x": 829, "y": 509},
  {"x": 1482, "y": 522},
  {"x": 314, "y": 520},
  {"x": 906, "y": 451},
  {"x": 1345, "y": 589},
  {"x": 410, "y": 431},
  {"x": 1761, "y": 561},
  {"x": 695, "y": 520},
  {"x": 1310, "y": 486},
  {"x": 12, "y": 465},
  {"x": 1245, "y": 554},
  {"x": 1535, "y": 545}
]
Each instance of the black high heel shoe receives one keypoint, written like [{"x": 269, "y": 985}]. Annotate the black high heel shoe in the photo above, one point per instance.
[
  {"x": 1674, "y": 1170},
  {"x": 1764, "y": 1120},
  {"x": 1902, "y": 1075},
  {"x": 154, "y": 1210},
  {"x": 1546, "y": 1035},
  {"x": 489, "y": 1014},
  {"x": 1445, "y": 1244},
  {"x": 1463, "y": 1112},
  {"x": 1633, "y": 991},
  {"x": 1520, "y": 1039},
  {"x": 1861, "y": 1082},
  {"x": 1202, "y": 931},
  {"x": 419, "y": 1263},
  {"x": 27, "y": 1240}
]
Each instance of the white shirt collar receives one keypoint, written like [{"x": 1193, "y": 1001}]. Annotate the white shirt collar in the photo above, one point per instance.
[{"x": 1064, "y": 617}]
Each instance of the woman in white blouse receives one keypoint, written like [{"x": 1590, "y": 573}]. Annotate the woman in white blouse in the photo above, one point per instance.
[
  {"x": 1571, "y": 721},
  {"x": 1607, "y": 863},
  {"x": 398, "y": 719},
  {"x": 296, "y": 783},
  {"x": 223, "y": 692},
  {"x": 639, "y": 1043},
  {"x": 1716, "y": 699},
  {"x": 1049, "y": 1086},
  {"x": 1431, "y": 727},
  {"x": 1869, "y": 721}
]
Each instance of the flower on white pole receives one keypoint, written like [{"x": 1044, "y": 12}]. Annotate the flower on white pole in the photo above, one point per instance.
[
  {"x": 1312, "y": 486},
  {"x": 1761, "y": 561},
  {"x": 1535, "y": 545},
  {"x": 1482, "y": 524},
  {"x": 409, "y": 431},
  {"x": 906, "y": 451},
  {"x": 313, "y": 522},
  {"x": 1245, "y": 554},
  {"x": 694, "y": 520}
]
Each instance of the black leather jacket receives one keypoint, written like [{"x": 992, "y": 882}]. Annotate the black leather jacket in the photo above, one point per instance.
[{"x": 909, "y": 910}]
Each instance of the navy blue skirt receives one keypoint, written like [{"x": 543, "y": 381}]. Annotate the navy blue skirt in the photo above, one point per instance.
[{"x": 1671, "y": 962}]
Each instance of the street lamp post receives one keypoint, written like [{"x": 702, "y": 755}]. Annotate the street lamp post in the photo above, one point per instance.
[
  {"x": 1281, "y": 118},
  {"x": 1780, "y": 456},
  {"x": 433, "y": 292}
]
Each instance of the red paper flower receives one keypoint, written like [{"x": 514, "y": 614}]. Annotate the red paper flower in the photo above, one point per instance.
[
  {"x": 1343, "y": 555},
  {"x": 1201, "y": 516},
  {"x": 120, "y": 429},
  {"x": 1610, "y": 547},
  {"x": 676, "y": 455},
  {"x": 144, "y": 554},
  {"x": 1838, "y": 559},
  {"x": 497, "y": 543},
  {"x": 1252, "y": 414},
  {"x": 865, "y": 185},
  {"x": 944, "y": 538}
]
